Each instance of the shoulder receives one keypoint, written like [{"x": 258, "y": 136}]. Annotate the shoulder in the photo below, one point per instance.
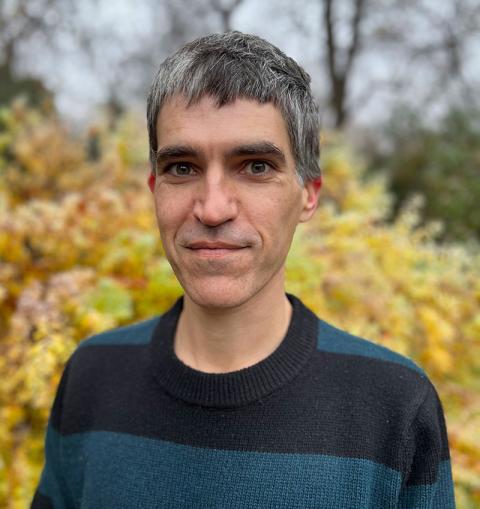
[
  {"x": 383, "y": 392},
  {"x": 358, "y": 368},
  {"x": 388, "y": 398},
  {"x": 138, "y": 333},
  {"x": 104, "y": 369},
  {"x": 335, "y": 340},
  {"x": 118, "y": 350}
]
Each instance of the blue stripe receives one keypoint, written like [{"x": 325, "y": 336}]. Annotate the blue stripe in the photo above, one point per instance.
[
  {"x": 50, "y": 485},
  {"x": 135, "y": 334},
  {"x": 431, "y": 496},
  {"x": 332, "y": 339},
  {"x": 107, "y": 469}
]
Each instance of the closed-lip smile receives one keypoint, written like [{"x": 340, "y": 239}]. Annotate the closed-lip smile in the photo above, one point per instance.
[{"x": 213, "y": 245}]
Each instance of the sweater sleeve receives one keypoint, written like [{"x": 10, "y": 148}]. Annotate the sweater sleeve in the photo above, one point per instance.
[
  {"x": 427, "y": 482},
  {"x": 51, "y": 493}
]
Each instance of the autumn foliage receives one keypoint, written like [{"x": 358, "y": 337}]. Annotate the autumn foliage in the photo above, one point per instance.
[{"x": 80, "y": 253}]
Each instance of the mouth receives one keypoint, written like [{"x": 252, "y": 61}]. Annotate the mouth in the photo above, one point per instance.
[{"x": 214, "y": 249}]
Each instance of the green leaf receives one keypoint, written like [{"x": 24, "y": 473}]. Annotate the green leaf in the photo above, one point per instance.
[{"x": 110, "y": 298}]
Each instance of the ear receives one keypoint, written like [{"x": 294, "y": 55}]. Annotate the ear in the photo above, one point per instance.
[
  {"x": 151, "y": 182},
  {"x": 310, "y": 192}
]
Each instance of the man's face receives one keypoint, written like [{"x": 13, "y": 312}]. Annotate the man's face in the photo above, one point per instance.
[{"x": 227, "y": 199}]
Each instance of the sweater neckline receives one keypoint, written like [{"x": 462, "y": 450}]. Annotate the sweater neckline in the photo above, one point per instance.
[{"x": 235, "y": 388}]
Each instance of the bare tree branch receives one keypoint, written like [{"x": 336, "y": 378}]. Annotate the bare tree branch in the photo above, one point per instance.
[
  {"x": 355, "y": 42},
  {"x": 340, "y": 75},
  {"x": 226, "y": 12}
]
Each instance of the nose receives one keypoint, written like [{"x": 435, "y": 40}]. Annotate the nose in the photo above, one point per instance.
[{"x": 215, "y": 202}]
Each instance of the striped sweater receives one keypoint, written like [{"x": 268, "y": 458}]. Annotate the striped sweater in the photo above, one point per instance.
[{"x": 328, "y": 420}]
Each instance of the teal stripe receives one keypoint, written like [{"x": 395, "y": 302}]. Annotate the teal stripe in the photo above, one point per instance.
[
  {"x": 332, "y": 339},
  {"x": 118, "y": 470},
  {"x": 49, "y": 486},
  {"x": 51, "y": 479},
  {"x": 431, "y": 496},
  {"x": 135, "y": 334}
]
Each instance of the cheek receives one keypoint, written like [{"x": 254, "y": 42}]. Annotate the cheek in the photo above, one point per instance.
[
  {"x": 276, "y": 219},
  {"x": 169, "y": 214}
]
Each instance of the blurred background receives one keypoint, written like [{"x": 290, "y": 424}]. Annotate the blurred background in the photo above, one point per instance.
[{"x": 393, "y": 253}]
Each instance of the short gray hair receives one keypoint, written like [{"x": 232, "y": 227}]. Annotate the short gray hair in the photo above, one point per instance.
[{"x": 234, "y": 65}]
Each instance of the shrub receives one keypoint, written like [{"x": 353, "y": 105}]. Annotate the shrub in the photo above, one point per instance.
[{"x": 79, "y": 253}]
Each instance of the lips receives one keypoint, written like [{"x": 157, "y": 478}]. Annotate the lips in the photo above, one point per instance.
[
  {"x": 214, "y": 245},
  {"x": 214, "y": 250}
]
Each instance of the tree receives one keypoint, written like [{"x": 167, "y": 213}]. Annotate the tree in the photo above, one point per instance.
[
  {"x": 226, "y": 11},
  {"x": 432, "y": 46},
  {"x": 383, "y": 52},
  {"x": 21, "y": 20},
  {"x": 440, "y": 162},
  {"x": 341, "y": 60}
]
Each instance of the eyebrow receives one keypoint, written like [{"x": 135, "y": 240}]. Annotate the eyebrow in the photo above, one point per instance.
[
  {"x": 173, "y": 152},
  {"x": 261, "y": 148}
]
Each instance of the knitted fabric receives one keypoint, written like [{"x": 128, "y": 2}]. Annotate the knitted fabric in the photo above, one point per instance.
[{"x": 328, "y": 420}]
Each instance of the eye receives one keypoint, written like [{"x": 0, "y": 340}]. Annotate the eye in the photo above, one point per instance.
[
  {"x": 258, "y": 167},
  {"x": 179, "y": 169}
]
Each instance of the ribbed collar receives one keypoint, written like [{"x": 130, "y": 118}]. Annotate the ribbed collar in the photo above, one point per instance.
[{"x": 236, "y": 388}]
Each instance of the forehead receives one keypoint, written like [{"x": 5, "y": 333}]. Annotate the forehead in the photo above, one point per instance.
[{"x": 205, "y": 123}]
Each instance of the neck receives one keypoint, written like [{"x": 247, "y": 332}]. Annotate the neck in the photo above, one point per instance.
[{"x": 221, "y": 341}]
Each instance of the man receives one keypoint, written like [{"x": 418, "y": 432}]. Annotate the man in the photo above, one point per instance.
[{"x": 239, "y": 396}]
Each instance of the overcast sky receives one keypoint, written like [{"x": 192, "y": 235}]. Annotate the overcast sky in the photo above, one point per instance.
[{"x": 82, "y": 83}]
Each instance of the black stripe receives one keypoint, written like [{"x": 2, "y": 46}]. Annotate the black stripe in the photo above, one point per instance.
[
  {"x": 422, "y": 451},
  {"x": 341, "y": 405},
  {"x": 41, "y": 502}
]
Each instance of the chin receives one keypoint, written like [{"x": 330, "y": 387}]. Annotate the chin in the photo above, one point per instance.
[{"x": 220, "y": 294}]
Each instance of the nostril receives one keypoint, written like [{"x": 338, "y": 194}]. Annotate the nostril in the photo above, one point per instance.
[{"x": 215, "y": 208}]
